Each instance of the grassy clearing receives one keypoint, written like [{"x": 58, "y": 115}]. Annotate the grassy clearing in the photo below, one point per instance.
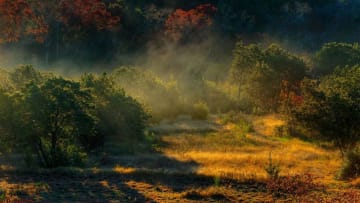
[
  {"x": 227, "y": 165},
  {"x": 230, "y": 154}
]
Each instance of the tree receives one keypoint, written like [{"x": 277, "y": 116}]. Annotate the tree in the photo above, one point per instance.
[
  {"x": 268, "y": 76},
  {"x": 24, "y": 75},
  {"x": 7, "y": 122},
  {"x": 86, "y": 13},
  {"x": 244, "y": 60},
  {"x": 58, "y": 118},
  {"x": 331, "y": 106},
  {"x": 333, "y": 55},
  {"x": 183, "y": 25},
  {"x": 120, "y": 116},
  {"x": 18, "y": 19}
]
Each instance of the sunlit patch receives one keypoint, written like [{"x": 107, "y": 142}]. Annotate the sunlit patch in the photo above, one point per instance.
[
  {"x": 121, "y": 169},
  {"x": 105, "y": 184},
  {"x": 266, "y": 125}
]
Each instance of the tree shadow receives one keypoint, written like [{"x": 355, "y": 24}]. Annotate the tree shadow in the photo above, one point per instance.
[
  {"x": 151, "y": 177},
  {"x": 68, "y": 186}
]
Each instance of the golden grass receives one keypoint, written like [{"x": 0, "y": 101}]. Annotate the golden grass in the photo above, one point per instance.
[
  {"x": 124, "y": 170},
  {"x": 266, "y": 125},
  {"x": 229, "y": 154}
]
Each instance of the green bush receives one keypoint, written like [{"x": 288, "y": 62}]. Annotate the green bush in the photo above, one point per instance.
[
  {"x": 120, "y": 116},
  {"x": 160, "y": 96},
  {"x": 199, "y": 111},
  {"x": 330, "y": 106},
  {"x": 351, "y": 166},
  {"x": 58, "y": 121},
  {"x": 335, "y": 54}
]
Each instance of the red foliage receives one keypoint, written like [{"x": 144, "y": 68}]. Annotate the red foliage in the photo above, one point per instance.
[
  {"x": 297, "y": 186},
  {"x": 289, "y": 93},
  {"x": 17, "y": 19},
  {"x": 183, "y": 23},
  {"x": 79, "y": 13}
]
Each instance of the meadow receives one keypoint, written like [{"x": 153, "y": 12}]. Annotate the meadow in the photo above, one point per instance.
[{"x": 223, "y": 165}]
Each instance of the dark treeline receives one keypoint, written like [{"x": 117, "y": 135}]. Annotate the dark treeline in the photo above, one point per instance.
[{"x": 65, "y": 30}]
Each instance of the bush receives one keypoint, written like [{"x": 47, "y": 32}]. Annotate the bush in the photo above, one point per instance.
[
  {"x": 272, "y": 169},
  {"x": 296, "y": 187},
  {"x": 331, "y": 107},
  {"x": 58, "y": 121},
  {"x": 120, "y": 116},
  {"x": 57, "y": 117},
  {"x": 200, "y": 111},
  {"x": 333, "y": 55},
  {"x": 282, "y": 131},
  {"x": 351, "y": 167},
  {"x": 160, "y": 96}
]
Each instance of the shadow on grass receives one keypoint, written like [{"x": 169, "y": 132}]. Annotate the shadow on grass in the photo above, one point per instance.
[
  {"x": 86, "y": 185},
  {"x": 100, "y": 185},
  {"x": 68, "y": 186}
]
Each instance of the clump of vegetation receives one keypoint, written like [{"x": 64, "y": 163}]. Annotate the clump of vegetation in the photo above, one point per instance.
[
  {"x": 351, "y": 167},
  {"x": 334, "y": 54},
  {"x": 282, "y": 131},
  {"x": 267, "y": 76},
  {"x": 238, "y": 119},
  {"x": 161, "y": 97},
  {"x": 61, "y": 120},
  {"x": 296, "y": 187},
  {"x": 331, "y": 106},
  {"x": 273, "y": 170},
  {"x": 200, "y": 111}
]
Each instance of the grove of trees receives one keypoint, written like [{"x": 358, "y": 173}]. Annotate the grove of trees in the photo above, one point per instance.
[{"x": 60, "y": 121}]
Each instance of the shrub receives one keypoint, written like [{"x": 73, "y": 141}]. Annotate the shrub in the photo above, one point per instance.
[
  {"x": 56, "y": 118},
  {"x": 282, "y": 131},
  {"x": 351, "y": 166},
  {"x": 333, "y": 55},
  {"x": 331, "y": 106},
  {"x": 149, "y": 89},
  {"x": 200, "y": 111},
  {"x": 120, "y": 116},
  {"x": 296, "y": 187},
  {"x": 272, "y": 169}
]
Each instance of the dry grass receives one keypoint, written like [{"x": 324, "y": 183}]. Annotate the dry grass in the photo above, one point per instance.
[
  {"x": 228, "y": 153},
  {"x": 222, "y": 166}
]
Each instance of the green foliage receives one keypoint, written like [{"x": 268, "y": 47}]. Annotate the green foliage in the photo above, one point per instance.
[
  {"x": 5, "y": 83},
  {"x": 243, "y": 125},
  {"x": 351, "y": 166},
  {"x": 24, "y": 75},
  {"x": 199, "y": 111},
  {"x": 266, "y": 73},
  {"x": 120, "y": 116},
  {"x": 7, "y": 138},
  {"x": 160, "y": 96},
  {"x": 334, "y": 54},
  {"x": 58, "y": 119},
  {"x": 331, "y": 106}
]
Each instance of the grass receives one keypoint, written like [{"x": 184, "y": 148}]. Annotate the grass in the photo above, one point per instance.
[
  {"x": 223, "y": 166},
  {"x": 226, "y": 153}
]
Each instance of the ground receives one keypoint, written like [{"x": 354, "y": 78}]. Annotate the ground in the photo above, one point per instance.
[{"x": 218, "y": 160}]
